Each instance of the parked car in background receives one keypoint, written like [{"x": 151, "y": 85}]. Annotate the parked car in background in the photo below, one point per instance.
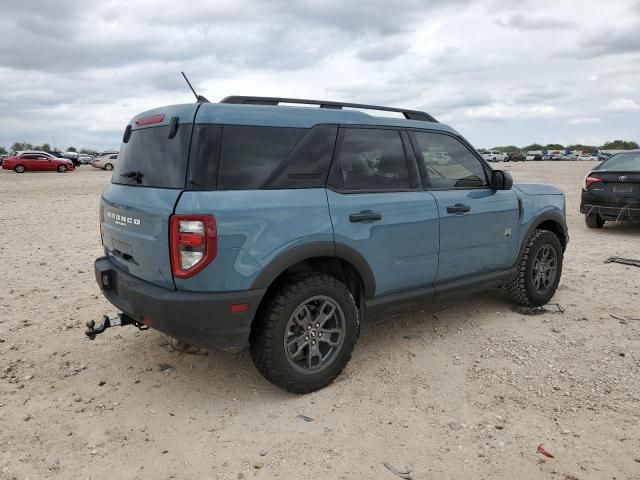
[
  {"x": 587, "y": 156},
  {"x": 105, "y": 162},
  {"x": 611, "y": 191},
  {"x": 85, "y": 159},
  {"x": 494, "y": 156},
  {"x": 515, "y": 157},
  {"x": 107, "y": 152},
  {"x": 533, "y": 155},
  {"x": 557, "y": 156},
  {"x": 37, "y": 161}
]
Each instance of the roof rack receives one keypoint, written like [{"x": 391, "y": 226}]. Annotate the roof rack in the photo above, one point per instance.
[{"x": 408, "y": 114}]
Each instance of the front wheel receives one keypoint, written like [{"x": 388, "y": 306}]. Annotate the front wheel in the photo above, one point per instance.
[
  {"x": 593, "y": 220},
  {"x": 62, "y": 168},
  {"x": 19, "y": 169},
  {"x": 304, "y": 336},
  {"x": 539, "y": 270},
  {"x": 108, "y": 167}
]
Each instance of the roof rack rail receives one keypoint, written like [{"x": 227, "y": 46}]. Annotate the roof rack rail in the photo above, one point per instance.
[{"x": 408, "y": 114}]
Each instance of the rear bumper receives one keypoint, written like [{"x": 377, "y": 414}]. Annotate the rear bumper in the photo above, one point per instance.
[
  {"x": 203, "y": 319},
  {"x": 611, "y": 210},
  {"x": 612, "y": 213}
]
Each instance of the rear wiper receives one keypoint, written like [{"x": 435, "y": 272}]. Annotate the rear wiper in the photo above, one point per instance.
[{"x": 133, "y": 175}]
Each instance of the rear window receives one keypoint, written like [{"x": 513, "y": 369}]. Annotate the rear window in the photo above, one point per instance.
[
  {"x": 151, "y": 159},
  {"x": 622, "y": 161}
]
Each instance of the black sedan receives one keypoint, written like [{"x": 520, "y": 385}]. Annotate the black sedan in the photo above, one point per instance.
[{"x": 611, "y": 191}]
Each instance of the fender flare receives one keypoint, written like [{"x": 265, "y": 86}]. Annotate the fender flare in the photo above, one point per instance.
[
  {"x": 290, "y": 257},
  {"x": 550, "y": 215}
]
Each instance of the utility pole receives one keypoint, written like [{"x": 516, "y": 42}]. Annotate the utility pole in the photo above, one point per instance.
[{"x": 54, "y": 145}]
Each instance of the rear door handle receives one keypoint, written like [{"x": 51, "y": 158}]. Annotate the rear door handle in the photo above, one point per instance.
[
  {"x": 458, "y": 208},
  {"x": 364, "y": 215}
]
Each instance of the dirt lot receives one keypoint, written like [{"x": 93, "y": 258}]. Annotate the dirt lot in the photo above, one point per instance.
[{"x": 464, "y": 391}]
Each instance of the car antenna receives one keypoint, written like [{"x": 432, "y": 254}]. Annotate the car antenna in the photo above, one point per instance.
[{"x": 199, "y": 98}]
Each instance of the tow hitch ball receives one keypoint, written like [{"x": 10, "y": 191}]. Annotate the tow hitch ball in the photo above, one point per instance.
[{"x": 120, "y": 319}]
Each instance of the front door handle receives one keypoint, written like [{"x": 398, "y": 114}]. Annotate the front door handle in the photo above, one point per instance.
[
  {"x": 458, "y": 208},
  {"x": 364, "y": 215}
]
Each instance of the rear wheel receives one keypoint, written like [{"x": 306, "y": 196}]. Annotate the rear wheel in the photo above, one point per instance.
[
  {"x": 305, "y": 334},
  {"x": 62, "y": 168},
  {"x": 108, "y": 166},
  {"x": 19, "y": 169},
  {"x": 593, "y": 220},
  {"x": 539, "y": 270}
]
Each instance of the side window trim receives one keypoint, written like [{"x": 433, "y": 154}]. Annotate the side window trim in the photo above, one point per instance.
[
  {"x": 425, "y": 174},
  {"x": 335, "y": 181}
]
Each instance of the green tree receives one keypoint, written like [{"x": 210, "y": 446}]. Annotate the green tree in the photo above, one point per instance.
[
  {"x": 554, "y": 146},
  {"x": 3, "y": 151},
  {"x": 17, "y": 146},
  {"x": 45, "y": 147},
  {"x": 620, "y": 145},
  {"x": 581, "y": 147},
  {"x": 533, "y": 146},
  {"x": 72, "y": 149},
  {"x": 507, "y": 149},
  {"x": 88, "y": 151}
]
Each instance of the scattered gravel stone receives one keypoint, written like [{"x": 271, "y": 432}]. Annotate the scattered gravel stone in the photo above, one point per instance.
[
  {"x": 455, "y": 425},
  {"x": 27, "y": 417}
]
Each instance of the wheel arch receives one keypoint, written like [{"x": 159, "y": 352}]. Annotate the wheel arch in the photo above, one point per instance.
[
  {"x": 324, "y": 257},
  {"x": 553, "y": 221}
]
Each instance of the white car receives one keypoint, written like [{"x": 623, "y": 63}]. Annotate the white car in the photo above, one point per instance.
[
  {"x": 105, "y": 162},
  {"x": 494, "y": 156},
  {"x": 587, "y": 156}
]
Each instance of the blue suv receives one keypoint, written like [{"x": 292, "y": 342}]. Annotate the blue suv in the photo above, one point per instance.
[{"x": 284, "y": 226}]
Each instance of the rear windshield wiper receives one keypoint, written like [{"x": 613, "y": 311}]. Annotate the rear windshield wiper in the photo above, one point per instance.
[{"x": 133, "y": 175}]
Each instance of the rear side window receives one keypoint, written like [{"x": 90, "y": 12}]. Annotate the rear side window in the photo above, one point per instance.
[
  {"x": 151, "y": 159},
  {"x": 249, "y": 155},
  {"x": 371, "y": 159}
]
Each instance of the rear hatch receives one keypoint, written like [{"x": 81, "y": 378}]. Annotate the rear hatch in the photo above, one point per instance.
[
  {"x": 147, "y": 180},
  {"x": 616, "y": 189}
]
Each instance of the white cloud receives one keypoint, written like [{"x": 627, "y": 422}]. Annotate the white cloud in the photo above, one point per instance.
[
  {"x": 509, "y": 112},
  {"x": 583, "y": 121},
  {"x": 622, "y": 105}
]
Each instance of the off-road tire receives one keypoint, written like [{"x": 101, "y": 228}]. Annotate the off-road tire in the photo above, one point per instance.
[
  {"x": 108, "y": 167},
  {"x": 521, "y": 289},
  {"x": 270, "y": 328},
  {"x": 593, "y": 220},
  {"x": 19, "y": 169}
]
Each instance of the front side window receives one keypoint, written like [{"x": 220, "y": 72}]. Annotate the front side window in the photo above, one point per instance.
[
  {"x": 372, "y": 159},
  {"x": 448, "y": 163}
]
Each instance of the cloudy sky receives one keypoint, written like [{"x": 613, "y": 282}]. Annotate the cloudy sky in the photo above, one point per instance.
[{"x": 499, "y": 71}]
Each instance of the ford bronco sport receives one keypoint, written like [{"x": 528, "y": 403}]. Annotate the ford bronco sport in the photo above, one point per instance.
[{"x": 283, "y": 227}]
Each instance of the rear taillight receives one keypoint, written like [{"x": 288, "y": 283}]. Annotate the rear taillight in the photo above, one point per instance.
[
  {"x": 193, "y": 243},
  {"x": 589, "y": 180}
]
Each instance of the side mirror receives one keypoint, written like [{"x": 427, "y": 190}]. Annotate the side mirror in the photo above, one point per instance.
[{"x": 501, "y": 180}]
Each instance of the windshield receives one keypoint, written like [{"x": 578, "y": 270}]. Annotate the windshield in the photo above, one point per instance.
[
  {"x": 151, "y": 159},
  {"x": 622, "y": 161}
]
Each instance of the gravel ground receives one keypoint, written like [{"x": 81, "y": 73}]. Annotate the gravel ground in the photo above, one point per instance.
[{"x": 468, "y": 389}]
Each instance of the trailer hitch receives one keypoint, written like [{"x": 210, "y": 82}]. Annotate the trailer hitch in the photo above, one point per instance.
[{"x": 121, "y": 319}]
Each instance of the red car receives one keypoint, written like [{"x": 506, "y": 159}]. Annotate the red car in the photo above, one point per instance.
[{"x": 37, "y": 161}]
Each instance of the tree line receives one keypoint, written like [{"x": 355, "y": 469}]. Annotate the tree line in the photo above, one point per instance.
[
  {"x": 613, "y": 145},
  {"x": 45, "y": 147}
]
